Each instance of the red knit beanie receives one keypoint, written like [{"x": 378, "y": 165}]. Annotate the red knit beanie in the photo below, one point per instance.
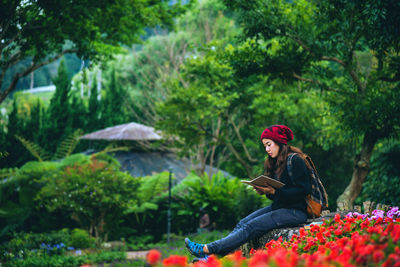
[{"x": 278, "y": 133}]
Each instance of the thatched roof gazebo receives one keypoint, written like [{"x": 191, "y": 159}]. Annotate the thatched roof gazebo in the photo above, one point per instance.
[
  {"x": 125, "y": 132},
  {"x": 142, "y": 159}
]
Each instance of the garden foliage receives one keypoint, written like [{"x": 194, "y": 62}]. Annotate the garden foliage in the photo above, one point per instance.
[
  {"x": 85, "y": 191},
  {"x": 226, "y": 200},
  {"x": 89, "y": 192},
  {"x": 96, "y": 194}
]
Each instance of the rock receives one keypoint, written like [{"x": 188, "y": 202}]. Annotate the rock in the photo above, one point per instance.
[{"x": 286, "y": 233}]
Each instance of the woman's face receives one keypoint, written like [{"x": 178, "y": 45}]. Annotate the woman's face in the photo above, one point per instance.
[{"x": 271, "y": 147}]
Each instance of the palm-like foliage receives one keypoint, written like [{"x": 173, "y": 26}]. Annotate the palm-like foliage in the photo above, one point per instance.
[
  {"x": 64, "y": 149},
  {"x": 150, "y": 188},
  {"x": 39, "y": 153}
]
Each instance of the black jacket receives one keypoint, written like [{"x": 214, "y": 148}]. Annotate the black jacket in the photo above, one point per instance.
[{"x": 297, "y": 187}]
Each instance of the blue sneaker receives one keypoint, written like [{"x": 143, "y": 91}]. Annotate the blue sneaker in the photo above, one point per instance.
[{"x": 195, "y": 248}]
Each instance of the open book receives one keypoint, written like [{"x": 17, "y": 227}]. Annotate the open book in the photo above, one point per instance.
[{"x": 263, "y": 181}]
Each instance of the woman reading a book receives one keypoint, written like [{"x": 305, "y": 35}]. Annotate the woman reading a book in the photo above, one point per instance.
[{"x": 288, "y": 206}]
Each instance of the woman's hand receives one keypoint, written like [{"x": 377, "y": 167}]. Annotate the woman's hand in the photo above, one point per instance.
[{"x": 265, "y": 190}]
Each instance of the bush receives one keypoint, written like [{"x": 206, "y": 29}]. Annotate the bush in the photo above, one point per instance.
[
  {"x": 96, "y": 193},
  {"x": 81, "y": 239},
  {"x": 25, "y": 245},
  {"x": 226, "y": 200}
]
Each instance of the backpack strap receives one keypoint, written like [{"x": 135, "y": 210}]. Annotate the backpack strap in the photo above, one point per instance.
[{"x": 289, "y": 166}]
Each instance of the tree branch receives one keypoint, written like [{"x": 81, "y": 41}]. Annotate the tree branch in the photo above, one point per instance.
[
  {"x": 334, "y": 59},
  {"x": 240, "y": 159},
  {"x": 353, "y": 74},
  {"x": 28, "y": 70},
  {"x": 239, "y": 136},
  {"x": 214, "y": 146},
  {"x": 13, "y": 60},
  {"x": 300, "y": 78}
]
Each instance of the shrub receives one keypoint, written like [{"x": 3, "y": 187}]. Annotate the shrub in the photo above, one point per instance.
[
  {"x": 24, "y": 245},
  {"x": 226, "y": 200},
  {"x": 95, "y": 193},
  {"x": 81, "y": 239}
]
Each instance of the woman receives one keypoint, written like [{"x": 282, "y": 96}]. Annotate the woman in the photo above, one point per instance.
[{"x": 288, "y": 207}]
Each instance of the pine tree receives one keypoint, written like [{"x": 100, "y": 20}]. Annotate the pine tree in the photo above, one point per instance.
[
  {"x": 58, "y": 123},
  {"x": 78, "y": 112},
  {"x": 32, "y": 127},
  {"x": 113, "y": 104},
  {"x": 17, "y": 154},
  {"x": 94, "y": 109}
]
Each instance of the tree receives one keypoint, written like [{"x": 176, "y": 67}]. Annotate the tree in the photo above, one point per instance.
[
  {"x": 44, "y": 31},
  {"x": 112, "y": 107},
  {"x": 217, "y": 116},
  {"x": 378, "y": 186},
  {"x": 58, "y": 119},
  {"x": 93, "y": 116},
  {"x": 198, "y": 110},
  {"x": 347, "y": 49},
  {"x": 145, "y": 71}
]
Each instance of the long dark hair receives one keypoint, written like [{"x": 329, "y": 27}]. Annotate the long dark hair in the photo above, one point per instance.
[{"x": 274, "y": 167}]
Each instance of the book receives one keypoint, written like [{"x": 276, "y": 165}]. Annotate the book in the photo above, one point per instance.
[{"x": 263, "y": 181}]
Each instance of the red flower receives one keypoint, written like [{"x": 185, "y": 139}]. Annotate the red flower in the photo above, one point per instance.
[
  {"x": 378, "y": 229},
  {"x": 315, "y": 228},
  {"x": 175, "y": 260},
  {"x": 302, "y": 232},
  {"x": 321, "y": 238},
  {"x": 260, "y": 258},
  {"x": 212, "y": 261},
  {"x": 377, "y": 256},
  {"x": 364, "y": 224},
  {"x": 328, "y": 234},
  {"x": 337, "y": 219},
  {"x": 342, "y": 242},
  {"x": 378, "y": 221},
  {"x": 338, "y": 231},
  {"x": 347, "y": 227},
  {"x": 236, "y": 257},
  {"x": 396, "y": 232},
  {"x": 153, "y": 257},
  {"x": 392, "y": 260}
]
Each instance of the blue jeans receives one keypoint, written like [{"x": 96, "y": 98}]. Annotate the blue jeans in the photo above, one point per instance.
[{"x": 255, "y": 225}]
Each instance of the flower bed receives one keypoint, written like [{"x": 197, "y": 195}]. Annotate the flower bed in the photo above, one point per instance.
[{"x": 355, "y": 240}]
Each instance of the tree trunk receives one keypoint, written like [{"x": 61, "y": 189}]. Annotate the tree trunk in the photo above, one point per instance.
[
  {"x": 360, "y": 171},
  {"x": 201, "y": 158}
]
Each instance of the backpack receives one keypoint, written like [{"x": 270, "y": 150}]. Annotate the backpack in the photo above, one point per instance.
[{"x": 318, "y": 199}]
